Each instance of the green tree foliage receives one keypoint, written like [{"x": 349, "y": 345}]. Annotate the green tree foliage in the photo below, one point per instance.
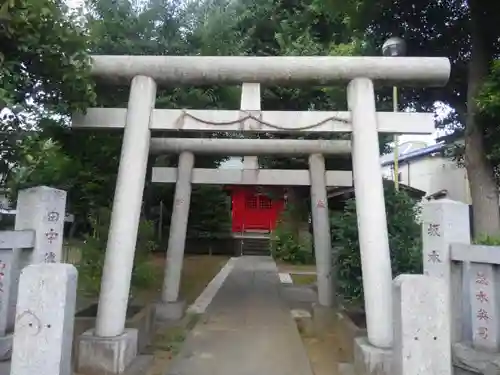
[
  {"x": 43, "y": 69},
  {"x": 93, "y": 252},
  {"x": 210, "y": 212},
  {"x": 40, "y": 160},
  {"x": 278, "y": 28},
  {"x": 44, "y": 60},
  {"x": 157, "y": 27},
  {"x": 404, "y": 241},
  {"x": 468, "y": 33},
  {"x": 488, "y": 102},
  {"x": 77, "y": 163},
  {"x": 85, "y": 162}
]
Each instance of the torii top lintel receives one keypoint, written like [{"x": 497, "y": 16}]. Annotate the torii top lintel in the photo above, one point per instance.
[{"x": 283, "y": 70}]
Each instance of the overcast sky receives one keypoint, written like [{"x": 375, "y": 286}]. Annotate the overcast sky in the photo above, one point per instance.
[{"x": 74, "y": 3}]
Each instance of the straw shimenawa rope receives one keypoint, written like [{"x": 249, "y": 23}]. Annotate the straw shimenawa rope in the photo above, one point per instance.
[{"x": 251, "y": 117}]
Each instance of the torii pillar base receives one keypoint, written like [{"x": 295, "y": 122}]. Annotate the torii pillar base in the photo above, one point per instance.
[{"x": 106, "y": 355}]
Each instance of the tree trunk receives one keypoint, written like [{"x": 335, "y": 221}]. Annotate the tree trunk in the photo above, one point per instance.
[{"x": 483, "y": 187}]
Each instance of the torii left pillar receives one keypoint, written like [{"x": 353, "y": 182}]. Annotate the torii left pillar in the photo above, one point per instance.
[
  {"x": 325, "y": 270},
  {"x": 171, "y": 307},
  {"x": 110, "y": 348}
]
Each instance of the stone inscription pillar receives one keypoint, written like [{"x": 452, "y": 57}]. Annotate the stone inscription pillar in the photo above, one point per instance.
[
  {"x": 41, "y": 209},
  {"x": 45, "y": 317},
  {"x": 444, "y": 222},
  {"x": 422, "y": 339}
]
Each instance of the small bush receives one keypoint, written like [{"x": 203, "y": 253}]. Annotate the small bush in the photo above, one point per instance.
[
  {"x": 487, "y": 240},
  {"x": 286, "y": 244},
  {"x": 404, "y": 241},
  {"x": 93, "y": 252}
]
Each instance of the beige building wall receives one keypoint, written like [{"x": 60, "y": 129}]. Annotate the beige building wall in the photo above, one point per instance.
[{"x": 434, "y": 173}]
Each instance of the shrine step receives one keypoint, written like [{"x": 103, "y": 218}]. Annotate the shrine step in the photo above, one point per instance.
[{"x": 255, "y": 246}]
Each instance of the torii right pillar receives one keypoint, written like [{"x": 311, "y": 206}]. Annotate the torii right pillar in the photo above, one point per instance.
[{"x": 372, "y": 226}]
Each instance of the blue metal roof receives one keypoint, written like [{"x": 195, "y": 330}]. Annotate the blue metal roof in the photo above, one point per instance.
[{"x": 417, "y": 154}]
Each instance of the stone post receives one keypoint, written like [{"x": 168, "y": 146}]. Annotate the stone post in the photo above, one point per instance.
[
  {"x": 422, "y": 342},
  {"x": 10, "y": 241},
  {"x": 370, "y": 208},
  {"x": 41, "y": 209},
  {"x": 444, "y": 222},
  {"x": 484, "y": 282},
  {"x": 44, "y": 320},
  {"x": 170, "y": 306},
  {"x": 321, "y": 232},
  {"x": 111, "y": 348}
]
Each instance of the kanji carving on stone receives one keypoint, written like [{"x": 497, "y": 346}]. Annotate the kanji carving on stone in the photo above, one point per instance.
[
  {"x": 51, "y": 235},
  {"x": 50, "y": 257},
  {"x": 53, "y": 216},
  {"x": 434, "y": 257},
  {"x": 481, "y": 279},
  {"x": 482, "y": 332},
  {"x": 482, "y": 314},
  {"x": 320, "y": 204},
  {"x": 434, "y": 230},
  {"x": 482, "y": 296}
]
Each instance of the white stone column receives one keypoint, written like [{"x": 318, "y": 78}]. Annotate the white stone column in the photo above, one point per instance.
[
  {"x": 370, "y": 208},
  {"x": 122, "y": 238},
  {"x": 178, "y": 228},
  {"x": 321, "y": 231}
]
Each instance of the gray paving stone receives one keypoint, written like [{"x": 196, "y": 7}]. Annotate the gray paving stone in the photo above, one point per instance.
[{"x": 247, "y": 328}]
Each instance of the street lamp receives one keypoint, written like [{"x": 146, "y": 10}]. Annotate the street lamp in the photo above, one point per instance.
[{"x": 394, "y": 47}]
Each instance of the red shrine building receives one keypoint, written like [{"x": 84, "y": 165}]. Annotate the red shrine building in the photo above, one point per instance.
[{"x": 255, "y": 209}]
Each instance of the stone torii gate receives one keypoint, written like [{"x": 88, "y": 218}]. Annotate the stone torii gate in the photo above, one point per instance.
[
  {"x": 111, "y": 346},
  {"x": 185, "y": 175}
]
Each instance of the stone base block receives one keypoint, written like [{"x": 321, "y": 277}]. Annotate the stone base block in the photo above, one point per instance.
[
  {"x": 168, "y": 311},
  {"x": 138, "y": 317},
  {"x": 370, "y": 360},
  {"x": 472, "y": 361},
  {"x": 6, "y": 347},
  {"x": 106, "y": 355}
]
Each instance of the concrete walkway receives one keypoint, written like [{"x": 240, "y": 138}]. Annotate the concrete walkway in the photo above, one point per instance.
[{"x": 246, "y": 330}]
